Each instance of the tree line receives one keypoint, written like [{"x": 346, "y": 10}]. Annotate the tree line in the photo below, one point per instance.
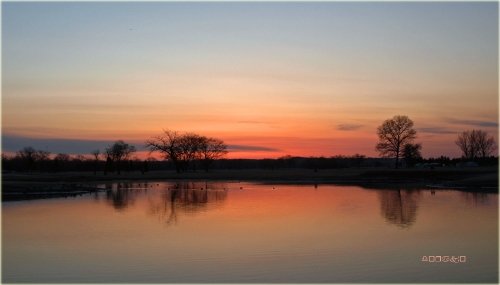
[
  {"x": 397, "y": 136},
  {"x": 80, "y": 163},
  {"x": 191, "y": 151},
  {"x": 184, "y": 150}
]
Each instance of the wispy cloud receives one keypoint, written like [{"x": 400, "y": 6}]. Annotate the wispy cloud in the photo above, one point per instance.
[
  {"x": 12, "y": 143},
  {"x": 348, "y": 127},
  {"x": 250, "y": 148},
  {"x": 475, "y": 123},
  {"x": 436, "y": 130}
]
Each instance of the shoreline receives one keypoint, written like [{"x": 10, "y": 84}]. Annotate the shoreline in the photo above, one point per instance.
[{"x": 19, "y": 186}]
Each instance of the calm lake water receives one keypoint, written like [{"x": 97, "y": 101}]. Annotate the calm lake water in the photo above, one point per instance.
[{"x": 171, "y": 232}]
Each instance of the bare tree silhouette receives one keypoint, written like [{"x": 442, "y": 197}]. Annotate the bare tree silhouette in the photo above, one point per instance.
[
  {"x": 60, "y": 161},
  {"x": 475, "y": 144},
  {"x": 189, "y": 147},
  {"x": 118, "y": 152},
  {"x": 210, "y": 150},
  {"x": 30, "y": 157},
  {"x": 96, "y": 153},
  {"x": 168, "y": 145},
  {"x": 393, "y": 135},
  {"x": 184, "y": 150}
]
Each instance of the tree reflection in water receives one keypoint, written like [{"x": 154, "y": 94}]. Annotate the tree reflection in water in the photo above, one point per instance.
[
  {"x": 166, "y": 200},
  {"x": 122, "y": 195},
  {"x": 187, "y": 198},
  {"x": 399, "y": 207},
  {"x": 477, "y": 198}
]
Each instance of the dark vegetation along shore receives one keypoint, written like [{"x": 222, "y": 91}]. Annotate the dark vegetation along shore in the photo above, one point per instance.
[{"x": 18, "y": 186}]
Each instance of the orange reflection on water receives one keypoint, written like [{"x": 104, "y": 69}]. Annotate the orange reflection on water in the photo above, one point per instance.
[{"x": 247, "y": 232}]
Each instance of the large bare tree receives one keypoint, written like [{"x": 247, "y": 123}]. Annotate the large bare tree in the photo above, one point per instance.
[
  {"x": 168, "y": 144},
  {"x": 475, "y": 144},
  {"x": 393, "y": 135},
  {"x": 186, "y": 149}
]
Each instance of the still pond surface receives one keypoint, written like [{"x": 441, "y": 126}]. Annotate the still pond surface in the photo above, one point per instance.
[{"x": 218, "y": 232}]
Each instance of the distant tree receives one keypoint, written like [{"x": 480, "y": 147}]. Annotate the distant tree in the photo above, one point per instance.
[
  {"x": 210, "y": 150},
  {"x": 42, "y": 155},
  {"x": 412, "y": 153},
  {"x": 43, "y": 160},
  {"x": 144, "y": 166},
  {"x": 442, "y": 160},
  {"x": 60, "y": 161},
  {"x": 358, "y": 159},
  {"x": 168, "y": 145},
  {"x": 62, "y": 157},
  {"x": 79, "y": 162},
  {"x": 118, "y": 152},
  {"x": 148, "y": 163},
  {"x": 108, "y": 158},
  {"x": 465, "y": 142},
  {"x": 30, "y": 156},
  {"x": 96, "y": 153},
  {"x": 393, "y": 135},
  {"x": 475, "y": 144},
  {"x": 134, "y": 164},
  {"x": 7, "y": 162}
]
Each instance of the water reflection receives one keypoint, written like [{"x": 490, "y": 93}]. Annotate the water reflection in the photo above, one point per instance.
[
  {"x": 187, "y": 197},
  {"x": 477, "y": 198},
  {"x": 399, "y": 207},
  {"x": 167, "y": 200},
  {"x": 122, "y": 195},
  {"x": 260, "y": 234}
]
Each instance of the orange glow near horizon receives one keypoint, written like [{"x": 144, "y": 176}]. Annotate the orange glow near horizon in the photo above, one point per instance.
[{"x": 261, "y": 146}]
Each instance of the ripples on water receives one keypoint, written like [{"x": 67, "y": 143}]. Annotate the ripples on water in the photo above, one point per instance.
[{"x": 245, "y": 232}]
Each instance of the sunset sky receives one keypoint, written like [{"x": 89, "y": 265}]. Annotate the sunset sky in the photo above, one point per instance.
[{"x": 270, "y": 79}]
